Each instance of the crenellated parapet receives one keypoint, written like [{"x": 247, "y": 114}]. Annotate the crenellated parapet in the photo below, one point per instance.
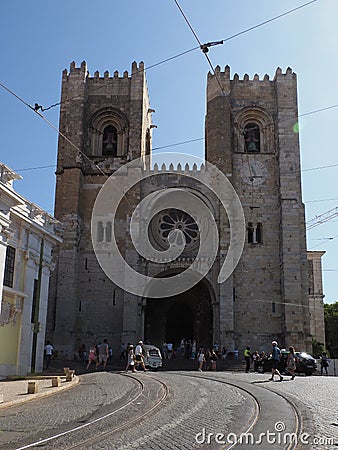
[
  {"x": 90, "y": 104},
  {"x": 74, "y": 71},
  {"x": 178, "y": 168},
  {"x": 225, "y": 75}
]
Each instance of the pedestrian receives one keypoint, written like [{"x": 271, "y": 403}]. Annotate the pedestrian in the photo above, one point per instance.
[
  {"x": 170, "y": 350},
  {"x": 130, "y": 358},
  {"x": 291, "y": 362},
  {"x": 193, "y": 350},
  {"x": 103, "y": 354},
  {"x": 165, "y": 350},
  {"x": 123, "y": 350},
  {"x": 49, "y": 350},
  {"x": 247, "y": 357},
  {"x": 83, "y": 353},
  {"x": 275, "y": 356},
  {"x": 139, "y": 356},
  {"x": 207, "y": 359},
  {"x": 324, "y": 363},
  {"x": 255, "y": 359},
  {"x": 214, "y": 358},
  {"x": 188, "y": 349},
  {"x": 201, "y": 360},
  {"x": 92, "y": 357}
]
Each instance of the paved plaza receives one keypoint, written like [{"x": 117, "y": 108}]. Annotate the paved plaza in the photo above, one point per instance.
[{"x": 197, "y": 410}]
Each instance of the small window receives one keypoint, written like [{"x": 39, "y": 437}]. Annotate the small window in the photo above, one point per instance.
[
  {"x": 100, "y": 232},
  {"x": 108, "y": 232},
  {"x": 109, "y": 141},
  {"x": 9, "y": 266},
  {"x": 252, "y": 138},
  {"x": 251, "y": 231}
]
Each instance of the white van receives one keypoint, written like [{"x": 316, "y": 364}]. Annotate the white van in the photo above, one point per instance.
[{"x": 152, "y": 357}]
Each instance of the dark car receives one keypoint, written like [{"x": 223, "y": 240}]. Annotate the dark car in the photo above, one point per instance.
[{"x": 305, "y": 363}]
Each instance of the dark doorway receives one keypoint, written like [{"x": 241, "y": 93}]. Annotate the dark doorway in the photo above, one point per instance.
[
  {"x": 180, "y": 317},
  {"x": 187, "y": 315}
]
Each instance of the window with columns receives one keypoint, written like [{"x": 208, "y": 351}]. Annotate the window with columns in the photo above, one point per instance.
[
  {"x": 255, "y": 233},
  {"x": 104, "y": 232},
  {"x": 108, "y": 133}
]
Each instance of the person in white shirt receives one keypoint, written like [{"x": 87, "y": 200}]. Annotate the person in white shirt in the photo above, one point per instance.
[
  {"x": 139, "y": 356},
  {"x": 49, "y": 350},
  {"x": 170, "y": 350}
]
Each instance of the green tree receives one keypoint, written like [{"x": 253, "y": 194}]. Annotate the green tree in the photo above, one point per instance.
[
  {"x": 317, "y": 348},
  {"x": 331, "y": 328}
]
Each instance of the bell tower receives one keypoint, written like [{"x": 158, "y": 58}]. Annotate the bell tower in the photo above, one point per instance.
[
  {"x": 107, "y": 122},
  {"x": 251, "y": 135}
]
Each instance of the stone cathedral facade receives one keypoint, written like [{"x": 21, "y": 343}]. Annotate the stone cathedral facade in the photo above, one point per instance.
[{"x": 250, "y": 136}]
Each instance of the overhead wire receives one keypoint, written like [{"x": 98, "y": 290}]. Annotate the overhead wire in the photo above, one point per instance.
[
  {"x": 37, "y": 106},
  {"x": 230, "y": 107},
  {"x": 190, "y": 141},
  {"x": 247, "y": 30},
  {"x": 225, "y": 94},
  {"x": 36, "y": 111}
]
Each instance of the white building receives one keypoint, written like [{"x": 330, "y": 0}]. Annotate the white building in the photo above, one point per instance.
[{"x": 27, "y": 235}]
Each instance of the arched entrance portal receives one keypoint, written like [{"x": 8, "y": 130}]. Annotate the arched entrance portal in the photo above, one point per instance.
[{"x": 187, "y": 315}]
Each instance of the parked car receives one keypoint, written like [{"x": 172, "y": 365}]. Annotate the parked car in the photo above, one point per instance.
[
  {"x": 305, "y": 363},
  {"x": 152, "y": 357}
]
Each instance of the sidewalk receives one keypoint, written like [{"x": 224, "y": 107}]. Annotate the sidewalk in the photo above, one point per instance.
[{"x": 13, "y": 392}]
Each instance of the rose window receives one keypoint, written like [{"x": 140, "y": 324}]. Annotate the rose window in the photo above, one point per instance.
[{"x": 174, "y": 219}]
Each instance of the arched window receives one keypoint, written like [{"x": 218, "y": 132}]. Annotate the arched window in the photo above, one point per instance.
[
  {"x": 252, "y": 138},
  {"x": 255, "y": 233},
  {"x": 109, "y": 141},
  {"x": 108, "y": 232},
  {"x": 100, "y": 233},
  {"x": 251, "y": 231}
]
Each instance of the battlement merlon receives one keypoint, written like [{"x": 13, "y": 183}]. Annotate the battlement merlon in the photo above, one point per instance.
[
  {"x": 82, "y": 71},
  {"x": 223, "y": 77},
  {"x": 77, "y": 83}
]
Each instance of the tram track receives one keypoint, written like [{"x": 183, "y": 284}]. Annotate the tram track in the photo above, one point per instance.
[
  {"x": 95, "y": 436},
  {"x": 249, "y": 427},
  {"x": 262, "y": 407}
]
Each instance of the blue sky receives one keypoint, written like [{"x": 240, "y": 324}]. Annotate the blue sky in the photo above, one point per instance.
[{"x": 39, "y": 39}]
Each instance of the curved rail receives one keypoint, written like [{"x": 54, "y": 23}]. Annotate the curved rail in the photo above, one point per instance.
[
  {"x": 256, "y": 414},
  {"x": 101, "y": 418}
]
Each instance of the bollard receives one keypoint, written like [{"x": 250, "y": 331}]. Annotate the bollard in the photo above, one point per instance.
[
  {"x": 56, "y": 382},
  {"x": 32, "y": 387},
  {"x": 69, "y": 373}
]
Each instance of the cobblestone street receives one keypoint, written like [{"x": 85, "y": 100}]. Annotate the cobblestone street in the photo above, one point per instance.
[{"x": 174, "y": 410}]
